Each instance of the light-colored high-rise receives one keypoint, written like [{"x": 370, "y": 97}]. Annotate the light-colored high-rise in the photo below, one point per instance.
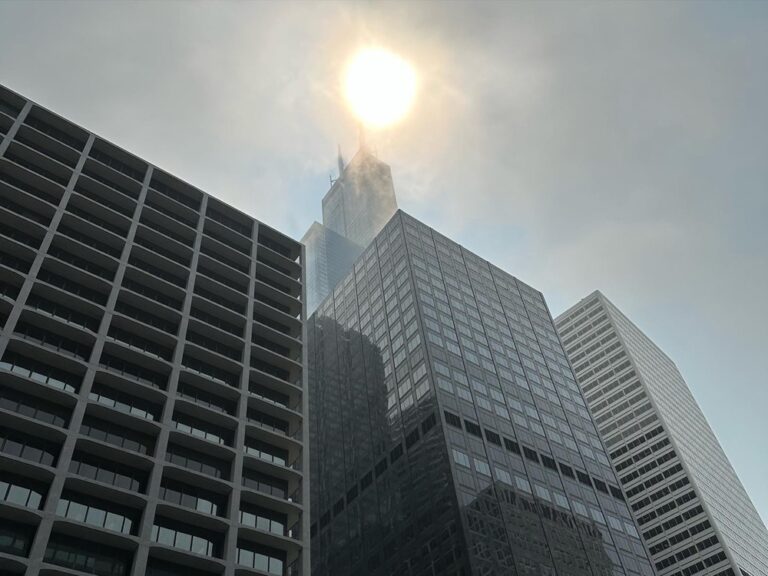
[{"x": 694, "y": 514}]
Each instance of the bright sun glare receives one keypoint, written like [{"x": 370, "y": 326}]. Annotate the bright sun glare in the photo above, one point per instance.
[{"x": 380, "y": 87}]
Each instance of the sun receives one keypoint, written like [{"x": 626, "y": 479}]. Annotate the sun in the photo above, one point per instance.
[{"x": 379, "y": 86}]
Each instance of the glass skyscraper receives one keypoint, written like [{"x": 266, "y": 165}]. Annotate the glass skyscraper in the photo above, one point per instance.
[
  {"x": 355, "y": 209},
  {"x": 448, "y": 433},
  {"x": 693, "y": 512},
  {"x": 329, "y": 256},
  {"x": 151, "y": 368}
]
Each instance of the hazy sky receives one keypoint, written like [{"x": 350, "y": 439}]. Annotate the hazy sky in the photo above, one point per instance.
[{"x": 578, "y": 146}]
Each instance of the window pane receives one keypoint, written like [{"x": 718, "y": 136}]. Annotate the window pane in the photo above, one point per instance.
[
  {"x": 114, "y": 522},
  {"x": 96, "y": 517},
  {"x": 77, "y": 511},
  {"x": 183, "y": 541},
  {"x": 18, "y": 495}
]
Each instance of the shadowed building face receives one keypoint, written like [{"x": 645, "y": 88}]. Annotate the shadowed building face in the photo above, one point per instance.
[{"x": 448, "y": 433}]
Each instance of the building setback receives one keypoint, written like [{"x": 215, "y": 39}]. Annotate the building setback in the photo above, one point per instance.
[
  {"x": 329, "y": 257},
  {"x": 449, "y": 436},
  {"x": 693, "y": 513},
  {"x": 151, "y": 368}
]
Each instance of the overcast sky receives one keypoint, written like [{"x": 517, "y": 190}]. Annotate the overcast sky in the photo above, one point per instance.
[{"x": 612, "y": 146}]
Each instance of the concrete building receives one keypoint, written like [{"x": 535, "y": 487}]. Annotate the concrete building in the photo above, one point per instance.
[
  {"x": 151, "y": 368},
  {"x": 355, "y": 209},
  {"x": 449, "y": 436},
  {"x": 694, "y": 514}
]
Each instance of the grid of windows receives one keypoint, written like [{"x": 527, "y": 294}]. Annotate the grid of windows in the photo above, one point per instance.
[
  {"x": 694, "y": 514},
  {"x": 138, "y": 314},
  {"x": 422, "y": 328}
]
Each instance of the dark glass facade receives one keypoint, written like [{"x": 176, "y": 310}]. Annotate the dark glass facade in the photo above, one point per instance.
[
  {"x": 448, "y": 433},
  {"x": 151, "y": 368}
]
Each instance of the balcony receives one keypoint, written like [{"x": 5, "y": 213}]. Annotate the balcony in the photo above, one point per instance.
[
  {"x": 229, "y": 218},
  {"x": 277, "y": 300},
  {"x": 91, "y": 235},
  {"x": 30, "y": 183},
  {"x": 159, "y": 267},
  {"x": 222, "y": 274},
  {"x": 277, "y": 261},
  {"x": 56, "y": 128},
  {"x": 26, "y": 206},
  {"x": 220, "y": 294},
  {"x": 74, "y": 344},
  {"x": 105, "y": 269},
  {"x": 176, "y": 190},
  {"x": 136, "y": 281},
  {"x": 277, "y": 280},
  {"x": 74, "y": 280},
  {"x": 210, "y": 371},
  {"x": 199, "y": 312},
  {"x": 112, "y": 178},
  {"x": 39, "y": 164},
  {"x": 279, "y": 243},
  {"x": 126, "y": 165},
  {"x": 132, "y": 306},
  {"x": 50, "y": 147},
  {"x": 70, "y": 310},
  {"x": 116, "y": 203},
  {"x": 133, "y": 370}
]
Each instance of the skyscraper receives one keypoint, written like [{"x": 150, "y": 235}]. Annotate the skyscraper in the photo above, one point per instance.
[
  {"x": 694, "y": 514},
  {"x": 355, "y": 209},
  {"x": 151, "y": 368},
  {"x": 329, "y": 256},
  {"x": 448, "y": 433}
]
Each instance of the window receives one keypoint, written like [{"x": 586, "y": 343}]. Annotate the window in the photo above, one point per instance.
[
  {"x": 580, "y": 508},
  {"x": 82, "y": 509},
  {"x": 473, "y": 428},
  {"x": 460, "y": 458},
  {"x": 192, "y": 497},
  {"x": 543, "y": 493},
  {"x": 79, "y": 554},
  {"x": 452, "y": 419},
  {"x": 107, "y": 471},
  {"x": 523, "y": 484},
  {"x": 262, "y": 519},
  {"x": 482, "y": 467},
  {"x": 492, "y": 437},
  {"x": 503, "y": 475},
  {"x": 630, "y": 529},
  {"x": 27, "y": 447},
  {"x": 614, "y": 523},
  {"x": 260, "y": 558},
  {"x": 560, "y": 499},
  {"x": 530, "y": 454},
  {"x": 195, "y": 541},
  {"x": 20, "y": 491},
  {"x": 597, "y": 515}
]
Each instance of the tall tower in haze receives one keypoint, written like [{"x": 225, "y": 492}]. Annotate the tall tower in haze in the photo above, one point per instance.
[
  {"x": 355, "y": 209},
  {"x": 694, "y": 514}
]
